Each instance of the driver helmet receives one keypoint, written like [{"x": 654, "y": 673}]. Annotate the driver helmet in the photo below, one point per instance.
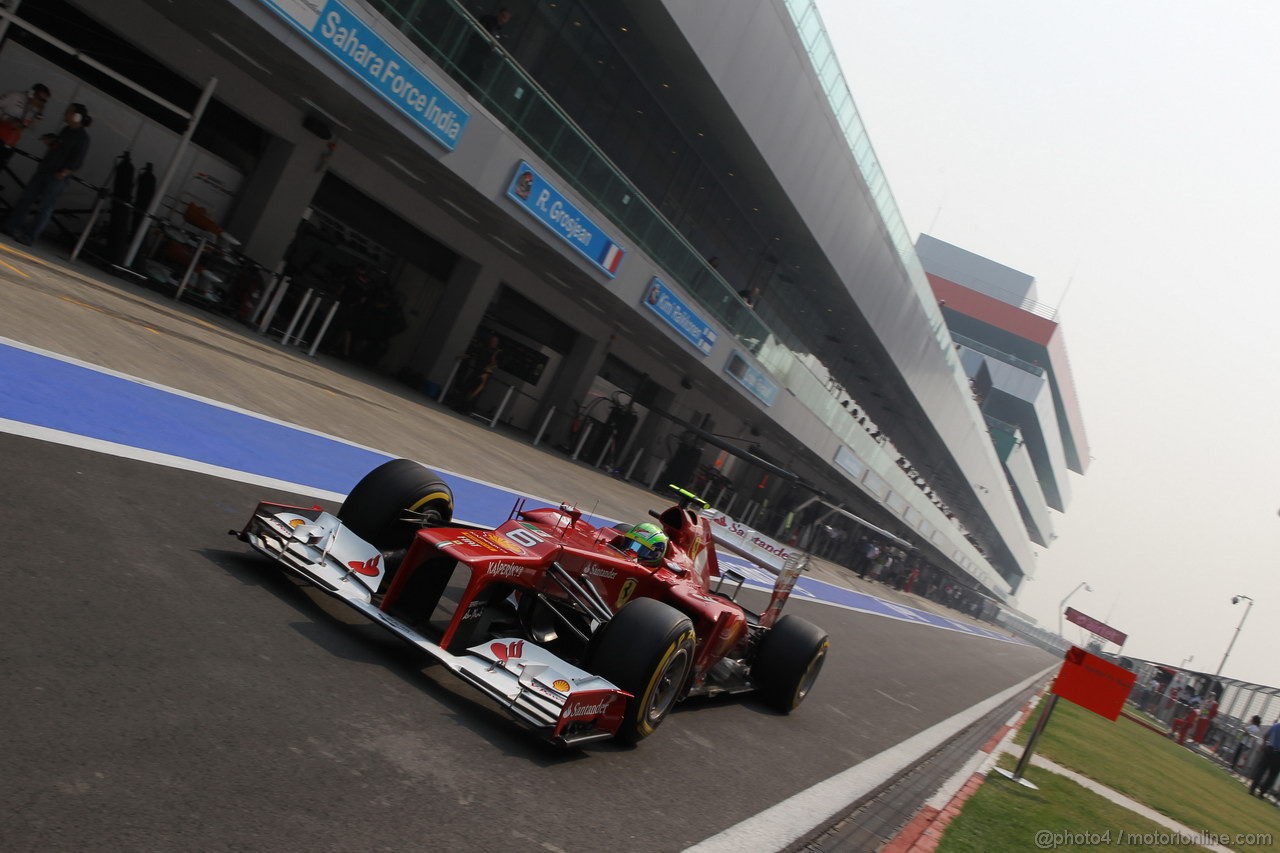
[{"x": 647, "y": 541}]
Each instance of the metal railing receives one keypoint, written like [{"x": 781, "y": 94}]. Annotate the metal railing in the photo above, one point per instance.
[{"x": 977, "y": 346}]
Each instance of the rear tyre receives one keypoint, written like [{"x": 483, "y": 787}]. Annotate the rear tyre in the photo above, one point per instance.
[
  {"x": 376, "y": 508},
  {"x": 788, "y": 661},
  {"x": 647, "y": 649}
]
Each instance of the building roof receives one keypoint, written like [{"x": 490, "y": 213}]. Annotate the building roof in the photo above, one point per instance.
[{"x": 1029, "y": 336}]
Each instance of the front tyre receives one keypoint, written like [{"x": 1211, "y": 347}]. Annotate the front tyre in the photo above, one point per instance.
[
  {"x": 788, "y": 661},
  {"x": 647, "y": 649},
  {"x": 378, "y": 506}
]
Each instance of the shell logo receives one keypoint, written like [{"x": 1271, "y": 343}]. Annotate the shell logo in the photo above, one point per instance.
[
  {"x": 297, "y": 522},
  {"x": 561, "y": 685},
  {"x": 505, "y": 543}
]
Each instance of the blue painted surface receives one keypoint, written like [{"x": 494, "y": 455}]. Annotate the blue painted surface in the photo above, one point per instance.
[
  {"x": 44, "y": 391},
  {"x": 47, "y": 392}
]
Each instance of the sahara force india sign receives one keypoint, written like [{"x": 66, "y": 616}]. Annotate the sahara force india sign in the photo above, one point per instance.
[{"x": 347, "y": 39}]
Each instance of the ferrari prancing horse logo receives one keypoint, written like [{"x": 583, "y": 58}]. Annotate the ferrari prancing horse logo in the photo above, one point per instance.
[{"x": 625, "y": 594}]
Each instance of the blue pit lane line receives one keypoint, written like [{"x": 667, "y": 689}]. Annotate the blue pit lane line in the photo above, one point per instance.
[{"x": 55, "y": 393}]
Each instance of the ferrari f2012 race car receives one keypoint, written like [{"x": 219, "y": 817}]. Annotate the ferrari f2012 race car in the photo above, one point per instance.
[{"x": 582, "y": 633}]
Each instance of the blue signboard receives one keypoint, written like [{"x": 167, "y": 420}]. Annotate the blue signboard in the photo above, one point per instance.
[
  {"x": 543, "y": 202},
  {"x": 662, "y": 301},
  {"x": 849, "y": 461},
  {"x": 337, "y": 31},
  {"x": 752, "y": 378}
]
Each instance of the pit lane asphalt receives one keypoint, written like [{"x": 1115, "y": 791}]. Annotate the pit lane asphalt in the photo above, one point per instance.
[{"x": 168, "y": 690}]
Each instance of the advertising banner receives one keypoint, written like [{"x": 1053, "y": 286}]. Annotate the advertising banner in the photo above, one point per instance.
[
  {"x": 1093, "y": 626},
  {"x": 349, "y": 41}
]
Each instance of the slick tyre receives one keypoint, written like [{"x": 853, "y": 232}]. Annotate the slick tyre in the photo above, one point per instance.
[
  {"x": 646, "y": 649},
  {"x": 788, "y": 661},
  {"x": 376, "y": 508}
]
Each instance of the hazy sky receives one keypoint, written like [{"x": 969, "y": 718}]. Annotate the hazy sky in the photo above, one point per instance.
[{"x": 1132, "y": 150}]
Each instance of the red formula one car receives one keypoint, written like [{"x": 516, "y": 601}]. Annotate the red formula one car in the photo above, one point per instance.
[{"x": 582, "y": 633}]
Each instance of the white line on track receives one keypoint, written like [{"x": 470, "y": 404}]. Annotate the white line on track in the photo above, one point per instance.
[
  {"x": 781, "y": 825},
  {"x": 215, "y": 470},
  {"x": 124, "y": 451},
  {"x": 943, "y": 796}
]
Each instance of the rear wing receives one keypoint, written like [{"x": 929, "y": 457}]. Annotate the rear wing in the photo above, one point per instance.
[
  {"x": 747, "y": 542},
  {"x": 786, "y": 563},
  {"x": 791, "y": 570}
]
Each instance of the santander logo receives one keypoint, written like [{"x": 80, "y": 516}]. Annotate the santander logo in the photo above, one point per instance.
[
  {"x": 369, "y": 568},
  {"x": 582, "y": 709}
]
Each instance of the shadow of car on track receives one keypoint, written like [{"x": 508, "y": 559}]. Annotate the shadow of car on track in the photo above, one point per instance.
[{"x": 345, "y": 634}]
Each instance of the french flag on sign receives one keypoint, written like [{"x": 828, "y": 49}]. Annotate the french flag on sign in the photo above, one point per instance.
[{"x": 612, "y": 257}]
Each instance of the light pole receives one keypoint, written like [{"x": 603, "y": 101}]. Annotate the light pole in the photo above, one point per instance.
[
  {"x": 1235, "y": 599},
  {"x": 1063, "y": 606}
]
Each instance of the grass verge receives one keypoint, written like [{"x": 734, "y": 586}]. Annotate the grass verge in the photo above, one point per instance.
[
  {"x": 1153, "y": 770},
  {"x": 1061, "y": 815}
]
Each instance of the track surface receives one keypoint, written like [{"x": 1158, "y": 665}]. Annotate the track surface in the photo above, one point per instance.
[{"x": 167, "y": 689}]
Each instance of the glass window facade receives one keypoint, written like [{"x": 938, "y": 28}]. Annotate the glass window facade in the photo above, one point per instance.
[{"x": 564, "y": 87}]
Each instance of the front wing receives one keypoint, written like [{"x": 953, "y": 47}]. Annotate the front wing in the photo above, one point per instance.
[{"x": 563, "y": 703}]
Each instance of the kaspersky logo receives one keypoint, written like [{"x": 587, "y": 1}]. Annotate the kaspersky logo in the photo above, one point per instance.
[{"x": 369, "y": 568}]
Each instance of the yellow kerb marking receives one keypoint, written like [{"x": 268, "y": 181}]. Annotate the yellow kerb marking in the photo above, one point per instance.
[
  {"x": 15, "y": 269},
  {"x": 20, "y": 254},
  {"x": 81, "y": 304}
]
